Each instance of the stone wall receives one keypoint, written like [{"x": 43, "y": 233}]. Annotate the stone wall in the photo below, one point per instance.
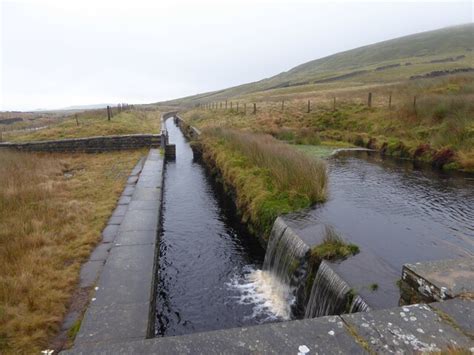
[{"x": 89, "y": 144}]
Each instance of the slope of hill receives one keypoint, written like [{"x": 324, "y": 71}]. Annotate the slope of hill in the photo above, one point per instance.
[{"x": 393, "y": 60}]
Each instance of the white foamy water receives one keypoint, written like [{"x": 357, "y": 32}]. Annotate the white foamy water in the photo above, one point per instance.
[{"x": 270, "y": 298}]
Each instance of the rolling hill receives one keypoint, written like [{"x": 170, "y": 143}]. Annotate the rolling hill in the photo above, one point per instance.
[{"x": 446, "y": 49}]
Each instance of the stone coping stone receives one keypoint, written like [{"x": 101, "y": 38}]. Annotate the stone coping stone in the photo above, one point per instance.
[
  {"x": 320, "y": 335},
  {"x": 136, "y": 238},
  {"x": 140, "y": 220},
  {"x": 109, "y": 233},
  {"x": 409, "y": 329},
  {"x": 113, "y": 322},
  {"x": 460, "y": 311},
  {"x": 141, "y": 205},
  {"x": 89, "y": 273},
  {"x": 120, "y": 211},
  {"x": 124, "y": 200},
  {"x": 147, "y": 194},
  {"x": 101, "y": 252},
  {"x": 443, "y": 278},
  {"x": 83, "y": 139}
]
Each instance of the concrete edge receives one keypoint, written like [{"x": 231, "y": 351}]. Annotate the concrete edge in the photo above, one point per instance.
[{"x": 123, "y": 305}]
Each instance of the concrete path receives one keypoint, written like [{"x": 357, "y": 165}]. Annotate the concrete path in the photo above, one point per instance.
[{"x": 123, "y": 308}]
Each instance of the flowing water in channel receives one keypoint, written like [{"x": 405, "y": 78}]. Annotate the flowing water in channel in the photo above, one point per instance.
[
  {"x": 396, "y": 213},
  {"x": 209, "y": 267},
  {"x": 214, "y": 275}
]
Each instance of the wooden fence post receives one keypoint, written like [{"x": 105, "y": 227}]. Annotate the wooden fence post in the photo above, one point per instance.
[
  {"x": 334, "y": 104},
  {"x": 220, "y": 105},
  {"x": 369, "y": 100},
  {"x": 309, "y": 106},
  {"x": 108, "y": 113},
  {"x": 77, "y": 121},
  {"x": 254, "y": 108},
  {"x": 245, "y": 108},
  {"x": 226, "y": 104},
  {"x": 390, "y": 101},
  {"x": 414, "y": 104}
]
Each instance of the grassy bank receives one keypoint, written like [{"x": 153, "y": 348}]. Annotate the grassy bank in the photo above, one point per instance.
[
  {"x": 439, "y": 128},
  {"x": 267, "y": 177},
  {"x": 52, "y": 211},
  {"x": 93, "y": 123}
]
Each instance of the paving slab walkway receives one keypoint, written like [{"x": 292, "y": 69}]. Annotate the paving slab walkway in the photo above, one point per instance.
[{"x": 122, "y": 307}]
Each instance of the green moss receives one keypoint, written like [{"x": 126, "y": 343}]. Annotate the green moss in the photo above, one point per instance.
[
  {"x": 72, "y": 332},
  {"x": 374, "y": 287}
]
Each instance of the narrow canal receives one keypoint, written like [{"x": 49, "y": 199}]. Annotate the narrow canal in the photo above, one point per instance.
[{"x": 205, "y": 254}]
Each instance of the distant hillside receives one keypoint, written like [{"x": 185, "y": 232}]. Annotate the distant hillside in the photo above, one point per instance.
[{"x": 397, "y": 59}]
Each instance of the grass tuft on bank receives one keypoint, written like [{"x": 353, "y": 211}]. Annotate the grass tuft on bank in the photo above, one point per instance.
[
  {"x": 53, "y": 208},
  {"x": 266, "y": 176},
  {"x": 333, "y": 247}
]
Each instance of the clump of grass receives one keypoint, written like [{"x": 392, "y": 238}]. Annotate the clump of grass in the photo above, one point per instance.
[
  {"x": 289, "y": 168},
  {"x": 49, "y": 223},
  {"x": 267, "y": 177},
  {"x": 374, "y": 287},
  {"x": 333, "y": 247}
]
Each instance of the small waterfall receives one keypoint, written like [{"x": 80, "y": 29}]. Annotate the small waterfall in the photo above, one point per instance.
[
  {"x": 331, "y": 295},
  {"x": 359, "y": 305},
  {"x": 285, "y": 253},
  {"x": 284, "y": 269},
  {"x": 328, "y": 294}
]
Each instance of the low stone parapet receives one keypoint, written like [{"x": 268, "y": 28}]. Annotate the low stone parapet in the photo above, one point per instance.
[{"x": 89, "y": 144}]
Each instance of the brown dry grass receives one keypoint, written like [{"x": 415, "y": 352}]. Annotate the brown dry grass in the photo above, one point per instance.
[
  {"x": 49, "y": 223},
  {"x": 93, "y": 123},
  {"x": 443, "y": 119},
  {"x": 290, "y": 169}
]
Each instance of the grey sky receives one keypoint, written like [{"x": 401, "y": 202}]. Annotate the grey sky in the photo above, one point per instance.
[{"x": 61, "y": 53}]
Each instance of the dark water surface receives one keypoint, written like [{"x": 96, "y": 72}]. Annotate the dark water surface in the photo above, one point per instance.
[
  {"x": 396, "y": 214},
  {"x": 203, "y": 251}
]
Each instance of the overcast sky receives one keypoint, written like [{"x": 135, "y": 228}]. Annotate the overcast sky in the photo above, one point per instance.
[{"x": 60, "y": 53}]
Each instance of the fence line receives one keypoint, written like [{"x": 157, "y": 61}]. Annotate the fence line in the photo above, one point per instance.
[{"x": 311, "y": 105}]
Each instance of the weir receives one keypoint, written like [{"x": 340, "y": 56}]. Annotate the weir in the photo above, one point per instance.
[
  {"x": 330, "y": 295},
  {"x": 284, "y": 278},
  {"x": 414, "y": 328},
  {"x": 285, "y": 254}
]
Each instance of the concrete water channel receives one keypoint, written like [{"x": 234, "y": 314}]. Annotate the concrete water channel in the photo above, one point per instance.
[{"x": 179, "y": 264}]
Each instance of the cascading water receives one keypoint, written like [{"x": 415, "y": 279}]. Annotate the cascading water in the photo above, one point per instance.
[
  {"x": 284, "y": 253},
  {"x": 359, "y": 305},
  {"x": 330, "y": 295},
  {"x": 283, "y": 270}
]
